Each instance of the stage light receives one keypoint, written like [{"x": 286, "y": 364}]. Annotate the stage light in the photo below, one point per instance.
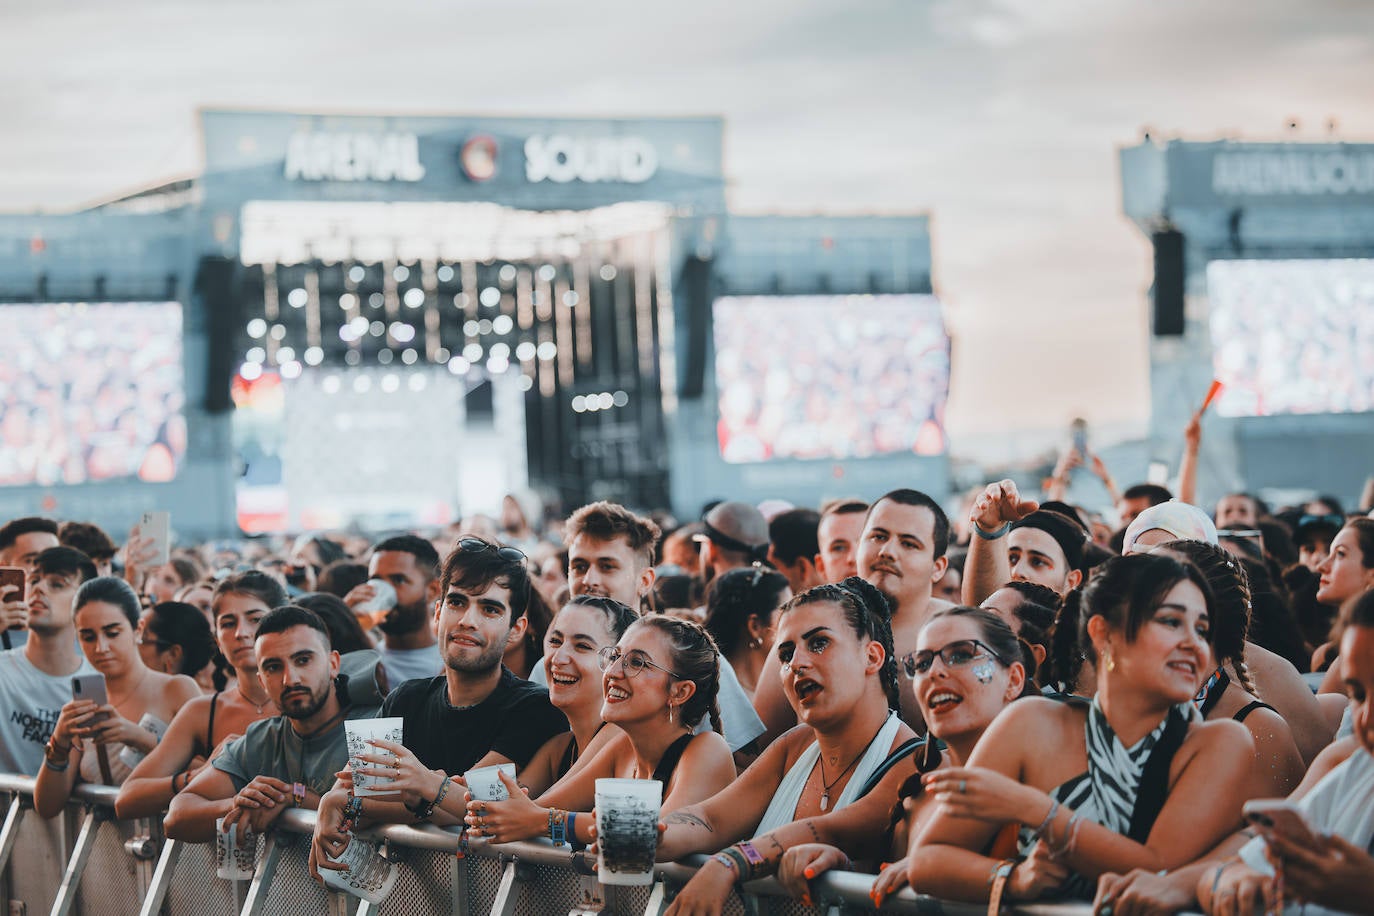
[
  {"x": 547, "y": 272},
  {"x": 347, "y": 334},
  {"x": 500, "y": 350},
  {"x": 579, "y": 403},
  {"x": 378, "y": 328},
  {"x": 402, "y": 332},
  {"x": 257, "y": 328},
  {"x": 417, "y": 381},
  {"x": 409, "y": 356},
  {"x": 401, "y": 273},
  {"x": 278, "y": 332},
  {"x": 607, "y": 272},
  {"x": 524, "y": 351},
  {"x": 507, "y": 273},
  {"x": 490, "y": 297},
  {"x": 414, "y": 298},
  {"x": 470, "y": 327},
  {"x": 314, "y": 356},
  {"x": 330, "y": 384},
  {"x": 620, "y": 399},
  {"x": 484, "y": 326},
  {"x": 362, "y": 383},
  {"x": 376, "y": 300},
  {"x": 472, "y": 352},
  {"x": 385, "y": 357},
  {"x": 458, "y": 365},
  {"x": 502, "y": 324},
  {"x": 357, "y": 273},
  {"x": 605, "y": 401},
  {"x": 441, "y": 355},
  {"x": 526, "y": 383},
  {"x": 570, "y": 298},
  {"x": 547, "y": 350},
  {"x": 460, "y": 301},
  {"x": 297, "y": 298},
  {"x": 444, "y": 274},
  {"x": 250, "y": 372},
  {"x": 353, "y": 357},
  {"x": 255, "y": 355},
  {"x": 391, "y": 383},
  {"x": 348, "y": 302},
  {"x": 496, "y": 365},
  {"x": 285, "y": 355},
  {"x": 291, "y": 369}
]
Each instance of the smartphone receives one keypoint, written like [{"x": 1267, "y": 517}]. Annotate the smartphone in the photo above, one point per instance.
[
  {"x": 157, "y": 526},
  {"x": 1079, "y": 429},
  {"x": 12, "y": 577},
  {"x": 1276, "y": 816},
  {"x": 91, "y": 687}
]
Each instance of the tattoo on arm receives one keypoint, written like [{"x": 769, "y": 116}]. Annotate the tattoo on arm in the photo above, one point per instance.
[
  {"x": 683, "y": 817},
  {"x": 815, "y": 836}
]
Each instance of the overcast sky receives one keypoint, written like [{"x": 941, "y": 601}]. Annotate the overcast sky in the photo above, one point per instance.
[{"x": 1001, "y": 118}]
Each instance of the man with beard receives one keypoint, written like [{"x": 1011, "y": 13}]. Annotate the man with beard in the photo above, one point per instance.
[
  {"x": 410, "y": 564},
  {"x": 285, "y": 761},
  {"x": 477, "y": 713},
  {"x": 902, "y": 554}
]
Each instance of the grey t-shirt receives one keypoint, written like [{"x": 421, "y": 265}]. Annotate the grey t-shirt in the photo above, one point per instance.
[
  {"x": 408, "y": 664},
  {"x": 271, "y": 747}
]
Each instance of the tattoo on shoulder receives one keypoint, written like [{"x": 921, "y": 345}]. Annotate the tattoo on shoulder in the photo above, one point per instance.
[{"x": 683, "y": 817}]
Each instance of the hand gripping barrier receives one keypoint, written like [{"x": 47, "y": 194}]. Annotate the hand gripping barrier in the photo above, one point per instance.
[{"x": 113, "y": 867}]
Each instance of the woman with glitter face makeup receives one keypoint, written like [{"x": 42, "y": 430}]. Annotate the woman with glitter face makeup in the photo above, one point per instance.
[{"x": 1133, "y": 781}]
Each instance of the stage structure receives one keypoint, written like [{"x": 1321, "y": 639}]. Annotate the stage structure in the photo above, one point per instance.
[
  {"x": 393, "y": 320},
  {"x": 1263, "y": 279}
]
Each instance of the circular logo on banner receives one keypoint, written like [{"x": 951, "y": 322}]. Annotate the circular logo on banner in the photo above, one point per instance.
[{"x": 478, "y": 158}]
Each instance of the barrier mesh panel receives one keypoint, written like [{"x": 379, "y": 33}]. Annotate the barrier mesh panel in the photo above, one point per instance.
[
  {"x": 484, "y": 879},
  {"x": 196, "y": 890},
  {"x": 37, "y": 862},
  {"x": 292, "y": 890},
  {"x": 110, "y": 884}
]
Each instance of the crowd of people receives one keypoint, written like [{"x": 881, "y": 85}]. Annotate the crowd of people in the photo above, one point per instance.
[{"x": 1035, "y": 702}]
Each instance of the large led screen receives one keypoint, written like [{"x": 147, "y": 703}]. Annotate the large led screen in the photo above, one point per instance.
[
  {"x": 830, "y": 377},
  {"x": 91, "y": 392},
  {"x": 1292, "y": 337}
]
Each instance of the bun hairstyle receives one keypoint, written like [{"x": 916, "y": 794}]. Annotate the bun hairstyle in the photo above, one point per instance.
[
  {"x": 736, "y": 596},
  {"x": 695, "y": 658},
  {"x": 1232, "y": 603},
  {"x": 869, "y": 615}
]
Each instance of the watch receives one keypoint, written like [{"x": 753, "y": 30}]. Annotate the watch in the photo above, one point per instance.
[
  {"x": 298, "y": 791},
  {"x": 51, "y": 752}
]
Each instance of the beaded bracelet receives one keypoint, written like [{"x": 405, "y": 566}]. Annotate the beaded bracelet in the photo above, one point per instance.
[
  {"x": 353, "y": 809},
  {"x": 1039, "y": 832},
  {"x": 557, "y": 820}
]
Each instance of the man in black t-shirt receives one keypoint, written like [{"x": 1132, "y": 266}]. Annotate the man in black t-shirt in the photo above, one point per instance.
[{"x": 477, "y": 713}]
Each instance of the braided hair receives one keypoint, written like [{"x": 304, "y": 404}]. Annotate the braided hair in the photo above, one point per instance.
[
  {"x": 696, "y": 659},
  {"x": 735, "y": 597},
  {"x": 869, "y": 614},
  {"x": 1232, "y": 601}
]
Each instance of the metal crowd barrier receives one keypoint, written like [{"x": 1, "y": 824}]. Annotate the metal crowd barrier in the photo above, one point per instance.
[{"x": 87, "y": 862}]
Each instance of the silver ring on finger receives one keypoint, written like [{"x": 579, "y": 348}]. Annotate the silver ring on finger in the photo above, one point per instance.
[{"x": 963, "y": 788}]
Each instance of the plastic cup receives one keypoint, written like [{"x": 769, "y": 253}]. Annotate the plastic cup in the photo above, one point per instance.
[
  {"x": 485, "y": 785},
  {"x": 382, "y": 601},
  {"x": 369, "y": 875},
  {"x": 627, "y": 829},
  {"x": 236, "y": 854},
  {"x": 358, "y": 732}
]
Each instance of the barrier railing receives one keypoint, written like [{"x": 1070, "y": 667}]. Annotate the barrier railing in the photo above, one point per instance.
[{"x": 126, "y": 867}]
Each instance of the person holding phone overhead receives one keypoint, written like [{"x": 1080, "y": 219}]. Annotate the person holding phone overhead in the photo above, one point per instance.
[
  {"x": 36, "y": 679},
  {"x": 101, "y": 738}
]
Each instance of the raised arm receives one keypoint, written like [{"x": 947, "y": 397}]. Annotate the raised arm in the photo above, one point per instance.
[
  {"x": 1187, "y": 467},
  {"x": 986, "y": 569}
]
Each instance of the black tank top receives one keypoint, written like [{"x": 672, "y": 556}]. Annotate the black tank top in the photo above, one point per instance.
[{"x": 668, "y": 762}]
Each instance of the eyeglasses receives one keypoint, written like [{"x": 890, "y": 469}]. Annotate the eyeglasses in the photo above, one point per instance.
[
  {"x": 955, "y": 655},
  {"x": 631, "y": 663},
  {"x": 1336, "y": 521},
  {"x": 477, "y": 545},
  {"x": 154, "y": 641}
]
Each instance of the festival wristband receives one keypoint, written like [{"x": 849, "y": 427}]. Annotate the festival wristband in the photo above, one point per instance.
[{"x": 991, "y": 535}]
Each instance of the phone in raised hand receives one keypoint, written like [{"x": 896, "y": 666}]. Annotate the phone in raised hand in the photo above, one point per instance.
[
  {"x": 156, "y": 526},
  {"x": 11, "y": 578},
  {"x": 91, "y": 687},
  {"x": 1275, "y": 816}
]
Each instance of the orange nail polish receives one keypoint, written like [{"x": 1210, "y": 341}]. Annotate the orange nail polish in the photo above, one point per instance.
[{"x": 810, "y": 873}]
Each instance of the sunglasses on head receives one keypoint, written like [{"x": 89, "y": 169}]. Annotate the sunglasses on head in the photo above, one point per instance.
[
  {"x": 477, "y": 545},
  {"x": 632, "y": 663},
  {"x": 955, "y": 655}
]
